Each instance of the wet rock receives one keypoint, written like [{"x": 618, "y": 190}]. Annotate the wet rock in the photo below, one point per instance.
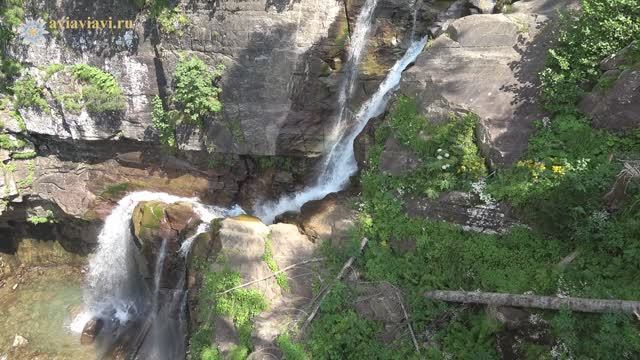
[
  {"x": 90, "y": 331},
  {"x": 396, "y": 159},
  {"x": 614, "y": 104},
  {"x": 19, "y": 341},
  {"x": 155, "y": 223},
  {"x": 464, "y": 209}
]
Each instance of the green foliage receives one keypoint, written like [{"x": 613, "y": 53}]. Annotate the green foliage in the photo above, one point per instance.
[
  {"x": 116, "y": 191},
  {"x": 72, "y": 102},
  {"x": 240, "y": 304},
  {"x": 24, "y": 155},
  {"x": 339, "y": 333},
  {"x": 36, "y": 220},
  {"x": 52, "y": 69},
  {"x": 170, "y": 19},
  {"x": 11, "y": 15},
  {"x": 291, "y": 350},
  {"x": 29, "y": 94},
  {"x": 267, "y": 257},
  {"x": 163, "y": 123},
  {"x": 102, "y": 91},
  {"x": 450, "y": 157},
  {"x": 195, "y": 96},
  {"x": 602, "y": 28},
  {"x": 472, "y": 338},
  {"x": 9, "y": 143}
]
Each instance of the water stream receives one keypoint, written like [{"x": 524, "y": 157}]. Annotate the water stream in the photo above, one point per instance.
[
  {"x": 357, "y": 46},
  {"x": 340, "y": 163}
]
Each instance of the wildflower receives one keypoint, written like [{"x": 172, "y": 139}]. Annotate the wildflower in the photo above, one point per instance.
[
  {"x": 444, "y": 167},
  {"x": 557, "y": 169},
  {"x": 439, "y": 157},
  {"x": 446, "y": 155},
  {"x": 439, "y": 150}
]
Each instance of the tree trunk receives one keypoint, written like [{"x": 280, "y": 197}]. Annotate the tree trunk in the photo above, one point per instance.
[{"x": 536, "y": 301}]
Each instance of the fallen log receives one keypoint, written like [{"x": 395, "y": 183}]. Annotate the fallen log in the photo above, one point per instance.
[{"x": 536, "y": 301}]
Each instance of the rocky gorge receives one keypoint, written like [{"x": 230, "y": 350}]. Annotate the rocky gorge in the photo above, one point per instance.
[{"x": 328, "y": 127}]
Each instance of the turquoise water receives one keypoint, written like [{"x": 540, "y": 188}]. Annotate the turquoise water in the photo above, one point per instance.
[{"x": 41, "y": 310}]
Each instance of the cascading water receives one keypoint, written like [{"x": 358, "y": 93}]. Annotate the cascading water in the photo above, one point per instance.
[
  {"x": 116, "y": 291},
  {"x": 340, "y": 163},
  {"x": 357, "y": 46}
]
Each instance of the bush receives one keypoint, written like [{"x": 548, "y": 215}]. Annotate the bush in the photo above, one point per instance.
[
  {"x": 170, "y": 19},
  {"x": 290, "y": 349},
  {"x": 163, "y": 123},
  {"x": 29, "y": 94},
  {"x": 102, "y": 91},
  {"x": 602, "y": 28},
  {"x": 195, "y": 96}
]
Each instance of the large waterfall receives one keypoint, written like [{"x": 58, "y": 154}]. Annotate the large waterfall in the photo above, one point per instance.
[{"x": 339, "y": 163}]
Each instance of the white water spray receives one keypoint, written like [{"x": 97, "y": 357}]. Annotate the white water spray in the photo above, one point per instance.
[
  {"x": 340, "y": 162},
  {"x": 357, "y": 46},
  {"x": 111, "y": 283}
]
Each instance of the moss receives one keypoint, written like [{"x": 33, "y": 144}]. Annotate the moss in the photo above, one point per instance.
[
  {"x": 9, "y": 143},
  {"x": 117, "y": 191},
  {"x": 24, "y": 155},
  {"x": 267, "y": 257}
]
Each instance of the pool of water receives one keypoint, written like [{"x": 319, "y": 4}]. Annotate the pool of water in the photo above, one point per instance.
[{"x": 41, "y": 310}]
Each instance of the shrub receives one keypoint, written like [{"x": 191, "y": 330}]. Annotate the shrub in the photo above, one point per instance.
[
  {"x": 290, "y": 349},
  {"x": 102, "y": 91},
  {"x": 29, "y": 94},
  {"x": 602, "y": 28},
  {"x": 163, "y": 123},
  {"x": 195, "y": 96},
  {"x": 170, "y": 19}
]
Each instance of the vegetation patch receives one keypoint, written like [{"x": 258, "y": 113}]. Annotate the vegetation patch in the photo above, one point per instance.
[
  {"x": 195, "y": 97},
  {"x": 45, "y": 219},
  {"x": 600, "y": 29},
  {"x": 267, "y": 257},
  {"x": 171, "y": 19},
  {"x": 29, "y": 94},
  {"x": 101, "y": 91},
  {"x": 241, "y": 305}
]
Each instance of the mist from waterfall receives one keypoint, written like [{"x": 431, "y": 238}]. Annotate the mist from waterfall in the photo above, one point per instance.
[
  {"x": 340, "y": 163},
  {"x": 116, "y": 291}
]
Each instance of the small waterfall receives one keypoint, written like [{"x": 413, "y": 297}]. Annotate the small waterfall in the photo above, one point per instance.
[
  {"x": 357, "y": 47},
  {"x": 116, "y": 291},
  {"x": 340, "y": 162}
]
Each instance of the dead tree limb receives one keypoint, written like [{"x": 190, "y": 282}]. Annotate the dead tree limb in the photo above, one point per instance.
[
  {"x": 406, "y": 316},
  {"x": 275, "y": 273},
  {"x": 536, "y": 301},
  {"x": 326, "y": 290}
]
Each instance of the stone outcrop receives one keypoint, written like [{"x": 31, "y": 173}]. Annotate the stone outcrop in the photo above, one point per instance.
[
  {"x": 464, "y": 209},
  {"x": 160, "y": 229},
  {"x": 239, "y": 245},
  {"x": 489, "y": 65},
  {"x": 396, "y": 159},
  {"x": 614, "y": 103},
  {"x": 331, "y": 218}
]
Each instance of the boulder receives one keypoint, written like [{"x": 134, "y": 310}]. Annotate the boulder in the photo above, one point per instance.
[
  {"x": 396, "y": 159},
  {"x": 614, "y": 104},
  {"x": 488, "y": 65},
  {"x": 90, "y": 331},
  {"x": 19, "y": 341},
  {"x": 464, "y": 209},
  {"x": 157, "y": 225},
  {"x": 331, "y": 218},
  {"x": 483, "y": 6}
]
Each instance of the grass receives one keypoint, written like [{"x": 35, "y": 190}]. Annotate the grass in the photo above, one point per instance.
[{"x": 267, "y": 257}]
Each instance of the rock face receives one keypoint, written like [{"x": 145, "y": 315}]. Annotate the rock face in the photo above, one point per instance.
[
  {"x": 397, "y": 160},
  {"x": 330, "y": 218},
  {"x": 489, "y": 65},
  {"x": 464, "y": 209},
  {"x": 160, "y": 229},
  {"x": 240, "y": 246},
  {"x": 614, "y": 103}
]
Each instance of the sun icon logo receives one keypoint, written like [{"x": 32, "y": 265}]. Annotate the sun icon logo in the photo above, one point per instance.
[{"x": 33, "y": 31}]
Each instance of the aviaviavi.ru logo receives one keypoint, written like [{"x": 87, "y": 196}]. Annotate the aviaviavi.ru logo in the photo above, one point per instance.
[{"x": 34, "y": 31}]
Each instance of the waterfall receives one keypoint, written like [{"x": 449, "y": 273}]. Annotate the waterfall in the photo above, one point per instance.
[
  {"x": 357, "y": 45},
  {"x": 340, "y": 162},
  {"x": 115, "y": 289}
]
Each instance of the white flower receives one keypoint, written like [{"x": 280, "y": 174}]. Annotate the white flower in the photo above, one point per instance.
[
  {"x": 446, "y": 155},
  {"x": 439, "y": 157},
  {"x": 439, "y": 150},
  {"x": 444, "y": 167}
]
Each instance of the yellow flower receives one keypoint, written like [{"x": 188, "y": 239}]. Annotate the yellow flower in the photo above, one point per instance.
[{"x": 557, "y": 169}]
